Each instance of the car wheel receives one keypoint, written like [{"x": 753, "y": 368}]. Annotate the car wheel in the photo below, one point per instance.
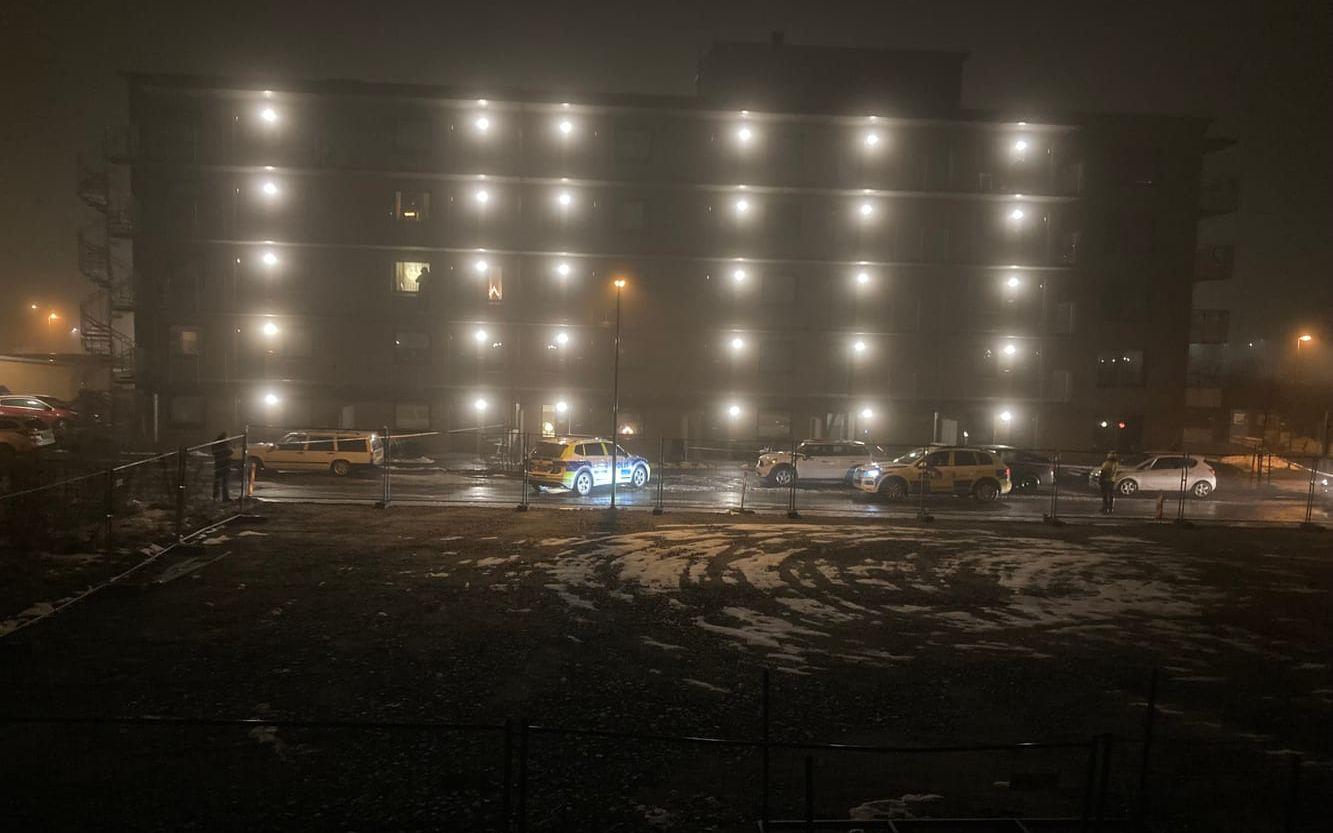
[
  {"x": 893, "y": 488},
  {"x": 340, "y": 468},
  {"x": 639, "y": 478},
  {"x": 1028, "y": 483},
  {"x": 985, "y": 491},
  {"x": 1202, "y": 489},
  {"x": 583, "y": 483},
  {"x": 1127, "y": 487},
  {"x": 782, "y": 476}
]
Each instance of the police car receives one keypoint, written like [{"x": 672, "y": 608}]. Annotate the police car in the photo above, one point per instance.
[{"x": 581, "y": 463}]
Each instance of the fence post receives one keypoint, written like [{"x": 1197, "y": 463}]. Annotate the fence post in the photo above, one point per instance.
[
  {"x": 1148, "y": 720},
  {"x": 523, "y": 775},
  {"x": 921, "y": 513},
  {"x": 245, "y": 467},
  {"x": 1184, "y": 487},
  {"x": 109, "y": 490},
  {"x": 1104, "y": 780},
  {"x": 661, "y": 473},
  {"x": 180, "y": 491},
  {"x": 1054, "y": 518},
  {"x": 507, "y": 777},
  {"x": 810, "y": 793},
  {"x": 764, "y": 751},
  {"x": 791, "y": 488},
  {"x": 388, "y": 461},
  {"x": 1308, "y": 523},
  {"x": 1293, "y": 807},
  {"x": 523, "y": 461}
]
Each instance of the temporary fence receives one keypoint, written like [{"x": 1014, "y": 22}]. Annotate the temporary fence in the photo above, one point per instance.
[
  {"x": 490, "y": 465},
  {"x": 160, "y": 496},
  {"x": 521, "y": 775}
]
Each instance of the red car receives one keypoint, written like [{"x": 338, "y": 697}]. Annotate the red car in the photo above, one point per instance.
[{"x": 31, "y": 407}]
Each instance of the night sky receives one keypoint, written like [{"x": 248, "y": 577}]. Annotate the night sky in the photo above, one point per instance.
[{"x": 1261, "y": 69}]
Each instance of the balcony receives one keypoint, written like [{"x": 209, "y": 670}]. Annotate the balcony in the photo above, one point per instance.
[
  {"x": 1219, "y": 195},
  {"x": 1209, "y": 326},
  {"x": 1214, "y": 263}
]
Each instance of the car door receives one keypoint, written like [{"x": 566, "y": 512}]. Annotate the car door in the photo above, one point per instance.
[
  {"x": 319, "y": 454},
  {"x": 599, "y": 459},
  {"x": 964, "y": 470},
  {"x": 849, "y": 457},
  {"x": 287, "y": 454},
  {"x": 624, "y": 465},
  {"x": 938, "y": 469},
  {"x": 1163, "y": 474}
]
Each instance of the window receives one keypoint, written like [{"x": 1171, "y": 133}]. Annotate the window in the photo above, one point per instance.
[
  {"x": 1167, "y": 463},
  {"x": 292, "y": 442},
  {"x": 774, "y": 425},
  {"x": 778, "y": 289},
  {"x": 407, "y": 275},
  {"x": 411, "y": 346},
  {"x": 322, "y": 442},
  {"x": 187, "y": 410},
  {"x": 1119, "y": 368},
  {"x": 634, "y": 144},
  {"x": 411, "y": 416},
  {"x": 968, "y": 458},
  {"x": 632, "y": 215},
  {"x": 937, "y": 458},
  {"x": 352, "y": 444},
  {"x": 185, "y": 341},
  {"x": 411, "y": 206}
]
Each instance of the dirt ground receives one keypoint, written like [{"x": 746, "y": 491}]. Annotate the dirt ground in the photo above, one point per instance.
[{"x": 872, "y": 632}]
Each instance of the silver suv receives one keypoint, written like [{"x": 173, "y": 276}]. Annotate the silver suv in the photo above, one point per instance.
[{"x": 817, "y": 460}]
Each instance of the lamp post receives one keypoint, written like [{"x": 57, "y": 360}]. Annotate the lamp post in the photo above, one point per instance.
[
  {"x": 615, "y": 396},
  {"x": 1301, "y": 341}
]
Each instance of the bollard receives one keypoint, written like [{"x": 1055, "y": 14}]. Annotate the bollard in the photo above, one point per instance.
[
  {"x": 180, "y": 491},
  {"x": 791, "y": 488},
  {"x": 109, "y": 489},
  {"x": 661, "y": 473},
  {"x": 523, "y": 461},
  {"x": 245, "y": 468}
]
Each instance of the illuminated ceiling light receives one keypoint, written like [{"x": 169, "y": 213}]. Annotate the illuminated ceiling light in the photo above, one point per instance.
[
  {"x": 482, "y": 196},
  {"x": 863, "y": 278},
  {"x": 269, "y": 259},
  {"x": 872, "y": 139},
  {"x": 738, "y": 275},
  {"x": 744, "y": 135},
  {"x": 734, "y": 411},
  {"x": 742, "y": 206},
  {"x": 867, "y": 413},
  {"x": 1013, "y": 282},
  {"x": 866, "y": 210},
  {"x": 565, "y": 199},
  {"x": 1104, "y": 424},
  {"x": 563, "y": 270},
  {"x": 1020, "y": 146},
  {"x": 737, "y": 343},
  {"x": 270, "y": 188},
  {"x": 271, "y": 399},
  {"x": 859, "y": 346},
  {"x": 1016, "y": 214},
  {"x": 1010, "y": 349},
  {"x": 482, "y": 124},
  {"x": 481, "y": 266},
  {"x": 1006, "y": 416},
  {"x": 270, "y": 329},
  {"x": 480, "y": 335},
  {"x": 269, "y": 115},
  {"x": 562, "y": 338},
  {"x": 561, "y": 406},
  {"x": 565, "y": 127},
  {"x": 479, "y": 405}
]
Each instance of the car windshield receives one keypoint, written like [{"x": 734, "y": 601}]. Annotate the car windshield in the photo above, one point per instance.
[
  {"x": 549, "y": 451},
  {"x": 911, "y": 456}
]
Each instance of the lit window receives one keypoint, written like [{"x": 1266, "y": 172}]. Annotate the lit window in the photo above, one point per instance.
[
  {"x": 407, "y": 275},
  {"x": 185, "y": 341},
  {"x": 411, "y": 206}
]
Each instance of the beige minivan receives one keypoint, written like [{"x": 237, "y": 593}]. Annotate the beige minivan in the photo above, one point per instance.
[{"x": 339, "y": 452}]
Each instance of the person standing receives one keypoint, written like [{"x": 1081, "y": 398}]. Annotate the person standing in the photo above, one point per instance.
[
  {"x": 221, "y": 467},
  {"x": 1106, "y": 477},
  {"x": 425, "y": 289}
]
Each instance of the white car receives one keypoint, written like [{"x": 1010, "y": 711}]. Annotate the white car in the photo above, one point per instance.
[
  {"x": 816, "y": 460},
  {"x": 1162, "y": 473}
]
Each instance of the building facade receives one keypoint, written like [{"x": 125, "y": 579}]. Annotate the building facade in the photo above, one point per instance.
[{"x": 836, "y": 260}]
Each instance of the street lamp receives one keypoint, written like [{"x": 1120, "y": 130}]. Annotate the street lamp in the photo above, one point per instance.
[
  {"x": 562, "y": 410},
  {"x": 619, "y": 284}
]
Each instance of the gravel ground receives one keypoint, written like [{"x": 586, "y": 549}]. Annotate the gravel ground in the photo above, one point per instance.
[{"x": 872, "y": 632}]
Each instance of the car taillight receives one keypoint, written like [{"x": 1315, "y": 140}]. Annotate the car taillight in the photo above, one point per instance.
[{"x": 1003, "y": 473}]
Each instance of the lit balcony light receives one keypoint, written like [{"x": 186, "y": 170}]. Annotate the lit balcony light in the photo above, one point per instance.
[
  {"x": 744, "y": 135},
  {"x": 270, "y": 188},
  {"x": 1010, "y": 349},
  {"x": 1020, "y": 146},
  {"x": 738, "y": 275},
  {"x": 479, "y": 405},
  {"x": 858, "y": 346},
  {"x": 866, "y": 209},
  {"x": 270, "y": 329},
  {"x": 565, "y": 199},
  {"x": 1017, "y": 214},
  {"x": 482, "y": 196},
  {"x": 867, "y": 413},
  {"x": 481, "y": 266},
  {"x": 561, "y": 407},
  {"x": 737, "y": 343},
  {"x": 619, "y": 283},
  {"x": 734, "y": 411},
  {"x": 1013, "y": 282},
  {"x": 269, "y": 259},
  {"x": 480, "y": 335},
  {"x": 742, "y": 206},
  {"x": 269, "y": 115},
  {"x": 481, "y": 102},
  {"x": 1006, "y": 416},
  {"x": 562, "y": 338},
  {"x": 271, "y": 399},
  {"x": 482, "y": 124},
  {"x": 565, "y": 126},
  {"x": 563, "y": 270},
  {"x": 863, "y": 278},
  {"x": 871, "y": 139}
]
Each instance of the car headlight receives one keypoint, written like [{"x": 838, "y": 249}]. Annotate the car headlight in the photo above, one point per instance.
[{"x": 870, "y": 471}]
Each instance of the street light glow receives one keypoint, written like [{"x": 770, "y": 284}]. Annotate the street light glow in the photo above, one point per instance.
[
  {"x": 271, "y": 399},
  {"x": 270, "y": 329},
  {"x": 482, "y": 196},
  {"x": 620, "y": 283},
  {"x": 52, "y": 316},
  {"x": 738, "y": 275},
  {"x": 269, "y": 115},
  {"x": 562, "y": 269},
  {"x": 270, "y": 188},
  {"x": 737, "y": 343},
  {"x": 1005, "y": 416},
  {"x": 480, "y": 335},
  {"x": 1306, "y": 338},
  {"x": 269, "y": 259}
]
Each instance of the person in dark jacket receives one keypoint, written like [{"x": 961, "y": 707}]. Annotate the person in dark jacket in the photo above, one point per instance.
[
  {"x": 1106, "y": 477},
  {"x": 425, "y": 289},
  {"x": 221, "y": 467}
]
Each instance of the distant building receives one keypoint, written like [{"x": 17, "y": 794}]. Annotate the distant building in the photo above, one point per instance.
[{"x": 821, "y": 243}]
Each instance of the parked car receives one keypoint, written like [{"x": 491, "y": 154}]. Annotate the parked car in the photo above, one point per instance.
[
  {"x": 1029, "y": 470},
  {"x": 21, "y": 438},
  {"x": 940, "y": 471},
  {"x": 52, "y": 416},
  {"x": 1161, "y": 473},
  {"x": 338, "y": 452},
  {"x": 816, "y": 460},
  {"x": 581, "y": 463}
]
